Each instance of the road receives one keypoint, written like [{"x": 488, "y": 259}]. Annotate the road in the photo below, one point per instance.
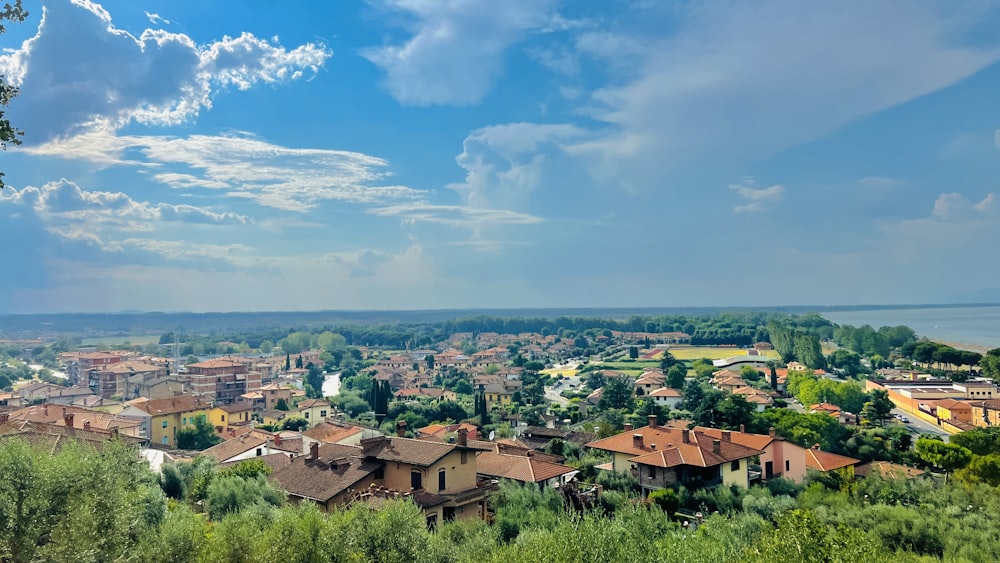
[
  {"x": 919, "y": 426},
  {"x": 552, "y": 393}
]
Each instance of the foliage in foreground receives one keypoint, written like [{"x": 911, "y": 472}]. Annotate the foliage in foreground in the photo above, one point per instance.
[{"x": 82, "y": 505}]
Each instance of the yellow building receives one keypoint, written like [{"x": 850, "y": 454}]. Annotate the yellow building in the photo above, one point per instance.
[
  {"x": 224, "y": 416},
  {"x": 164, "y": 417},
  {"x": 315, "y": 411}
]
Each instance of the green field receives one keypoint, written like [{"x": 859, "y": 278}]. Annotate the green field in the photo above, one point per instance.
[
  {"x": 112, "y": 340},
  {"x": 715, "y": 353}
]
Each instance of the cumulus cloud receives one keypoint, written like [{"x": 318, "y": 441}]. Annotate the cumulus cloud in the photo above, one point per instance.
[
  {"x": 755, "y": 196},
  {"x": 83, "y": 72},
  {"x": 954, "y": 205},
  {"x": 455, "y": 52},
  {"x": 505, "y": 163}
]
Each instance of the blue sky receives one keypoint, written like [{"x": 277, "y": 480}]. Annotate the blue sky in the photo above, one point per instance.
[{"x": 406, "y": 154}]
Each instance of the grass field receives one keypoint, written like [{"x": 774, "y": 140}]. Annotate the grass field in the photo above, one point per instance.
[
  {"x": 714, "y": 353},
  {"x": 111, "y": 340}
]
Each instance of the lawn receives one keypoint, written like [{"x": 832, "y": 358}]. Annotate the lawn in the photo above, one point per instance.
[{"x": 715, "y": 353}]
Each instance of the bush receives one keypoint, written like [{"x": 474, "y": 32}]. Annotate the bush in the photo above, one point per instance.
[{"x": 666, "y": 499}]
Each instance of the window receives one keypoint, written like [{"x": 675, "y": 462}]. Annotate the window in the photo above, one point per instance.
[
  {"x": 166, "y": 440},
  {"x": 223, "y": 418},
  {"x": 449, "y": 513},
  {"x": 305, "y": 415},
  {"x": 788, "y": 465},
  {"x": 734, "y": 466},
  {"x": 184, "y": 421},
  {"x": 416, "y": 480},
  {"x": 259, "y": 452},
  {"x": 322, "y": 414},
  {"x": 164, "y": 423},
  {"x": 652, "y": 472},
  {"x": 441, "y": 480},
  {"x": 465, "y": 456}
]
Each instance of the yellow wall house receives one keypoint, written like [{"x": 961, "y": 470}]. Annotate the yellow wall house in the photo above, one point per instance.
[
  {"x": 315, "y": 411},
  {"x": 167, "y": 416},
  {"x": 497, "y": 395},
  {"x": 224, "y": 416}
]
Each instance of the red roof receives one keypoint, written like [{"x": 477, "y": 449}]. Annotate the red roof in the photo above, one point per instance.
[
  {"x": 826, "y": 461},
  {"x": 657, "y": 445}
]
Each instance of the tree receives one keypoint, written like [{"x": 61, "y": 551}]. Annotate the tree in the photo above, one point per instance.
[
  {"x": 990, "y": 364},
  {"x": 429, "y": 358},
  {"x": 199, "y": 435},
  {"x": 314, "y": 379},
  {"x": 693, "y": 396},
  {"x": 774, "y": 375},
  {"x": 980, "y": 441},
  {"x": 947, "y": 457},
  {"x": 676, "y": 376},
  {"x": 981, "y": 469},
  {"x": 295, "y": 424},
  {"x": 288, "y": 361},
  {"x": 633, "y": 352},
  {"x": 882, "y": 405},
  {"x": 281, "y": 405},
  {"x": 667, "y": 360},
  {"x": 8, "y": 133},
  {"x": 617, "y": 395}
]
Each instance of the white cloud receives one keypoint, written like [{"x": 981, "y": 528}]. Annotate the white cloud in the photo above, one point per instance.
[
  {"x": 456, "y": 49},
  {"x": 83, "y": 72},
  {"x": 155, "y": 18},
  {"x": 952, "y": 206},
  {"x": 454, "y": 215},
  {"x": 291, "y": 179},
  {"x": 742, "y": 81},
  {"x": 756, "y": 197},
  {"x": 505, "y": 163}
]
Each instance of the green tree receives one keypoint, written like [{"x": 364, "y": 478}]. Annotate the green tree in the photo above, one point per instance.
[
  {"x": 295, "y": 424},
  {"x": 617, "y": 395},
  {"x": 990, "y": 364},
  {"x": 633, "y": 352},
  {"x": 232, "y": 493},
  {"x": 198, "y": 435},
  {"x": 676, "y": 376},
  {"x": 429, "y": 358},
  {"x": 947, "y": 457},
  {"x": 694, "y": 394},
  {"x": 981, "y": 469},
  {"x": 980, "y": 441},
  {"x": 667, "y": 360},
  {"x": 280, "y": 405}
]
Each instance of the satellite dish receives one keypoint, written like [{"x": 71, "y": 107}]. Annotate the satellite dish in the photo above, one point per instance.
[{"x": 493, "y": 434}]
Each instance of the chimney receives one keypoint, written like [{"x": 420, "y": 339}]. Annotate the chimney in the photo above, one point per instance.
[
  {"x": 86, "y": 425},
  {"x": 717, "y": 446},
  {"x": 772, "y": 432},
  {"x": 652, "y": 446},
  {"x": 743, "y": 428},
  {"x": 652, "y": 420},
  {"x": 463, "y": 437},
  {"x": 45, "y": 409},
  {"x": 628, "y": 426},
  {"x": 816, "y": 447},
  {"x": 685, "y": 437},
  {"x": 727, "y": 436},
  {"x": 401, "y": 428},
  {"x": 68, "y": 419},
  {"x": 277, "y": 440},
  {"x": 637, "y": 441},
  {"x": 314, "y": 450},
  {"x": 4, "y": 417}
]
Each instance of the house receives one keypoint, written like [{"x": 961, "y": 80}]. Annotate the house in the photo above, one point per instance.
[
  {"x": 442, "y": 430},
  {"x": 54, "y": 437},
  {"x": 273, "y": 417},
  {"x": 272, "y": 393},
  {"x": 439, "y": 477},
  {"x": 152, "y": 385},
  {"x": 251, "y": 445},
  {"x": 662, "y": 457},
  {"x": 760, "y": 399},
  {"x": 11, "y": 400},
  {"x": 951, "y": 409},
  {"x": 333, "y": 432},
  {"x": 667, "y": 397},
  {"x": 819, "y": 460},
  {"x": 112, "y": 379},
  {"x": 498, "y": 395},
  {"x": 524, "y": 469},
  {"x": 650, "y": 381},
  {"x": 77, "y": 417},
  {"x": 315, "y": 410},
  {"x": 780, "y": 458},
  {"x": 221, "y": 380},
  {"x": 36, "y": 391},
  {"x": 985, "y": 413},
  {"x": 224, "y": 416},
  {"x": 729, "y": 384},
  {"x": 162, "y": 418},
  {"x": 825, "y": 408}
]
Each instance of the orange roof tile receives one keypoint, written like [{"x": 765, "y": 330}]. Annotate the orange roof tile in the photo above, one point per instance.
[{"x": 826, "y": 461}]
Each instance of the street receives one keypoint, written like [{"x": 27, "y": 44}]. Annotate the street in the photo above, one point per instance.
[{"x": 919, "y": 426}]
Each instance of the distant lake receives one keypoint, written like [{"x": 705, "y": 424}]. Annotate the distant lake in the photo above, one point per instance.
[{"x": 977, "y": 326}]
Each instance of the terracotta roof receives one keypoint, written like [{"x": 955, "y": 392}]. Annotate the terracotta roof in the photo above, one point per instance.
[
  {"x": 234, "y": 447},
  {"x": 755, "y": 441},
  {"x": 519, "y": 468},
  {"x": 216, "y": 363},
  {"x": 952, "y": 404},
  {"x": 331, "y": 432},
  {"x": 181, "y": 403},
  {"x": 55, "y": 414},
  {"x": 309, "y": 403},
  {"x": 665, "y": 392},
  {"x": 826, "y": 461},
  {"x": 53, "y": 438},
  {"x": 651, "y": 378},
  {"x": 132, "y": 367},
  {"x": 661, "y": 445},
  {"x": 824, "y": 407},
  {"x": 442, "y": 429},
  {"x": 406, "y": 450},
  {"x": 335, "y": 470},
  {"x": 235, "y": 407}
]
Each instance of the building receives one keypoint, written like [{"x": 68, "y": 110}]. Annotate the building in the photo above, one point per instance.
[
  {"x": 779, "y": 457},
  {"x": 333, "y": 432},
  {"x": 315, "y": 411},
  {"x": 523, "y": 469},
  {"x": 953, "y": 410},
  {"x": 919, "y": 396},
  {"x": 440, "y": 478},
  {"x": 272, "y": 393},
  {"x": 663, "y": 457},
  {"x": 162, "y": 418},
  {"x": 667, "y": 397},
  {"x": 221, "y": 380},
  {"x": 112, "y": 380},
  {"x": 78, "y": 417},
  {"x": 818, "y": 460},
  {"x": 235, "y": 414}
]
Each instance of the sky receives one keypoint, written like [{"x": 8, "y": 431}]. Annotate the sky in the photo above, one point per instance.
[{"x": 423, "y": 154}]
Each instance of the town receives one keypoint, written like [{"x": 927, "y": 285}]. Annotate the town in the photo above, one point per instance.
[{"x": 602, "y": 417}]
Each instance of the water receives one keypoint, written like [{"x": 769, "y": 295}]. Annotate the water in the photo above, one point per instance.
[
  {"x": 331, "y": 385},
  {"x": 974, "y": 326}
]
